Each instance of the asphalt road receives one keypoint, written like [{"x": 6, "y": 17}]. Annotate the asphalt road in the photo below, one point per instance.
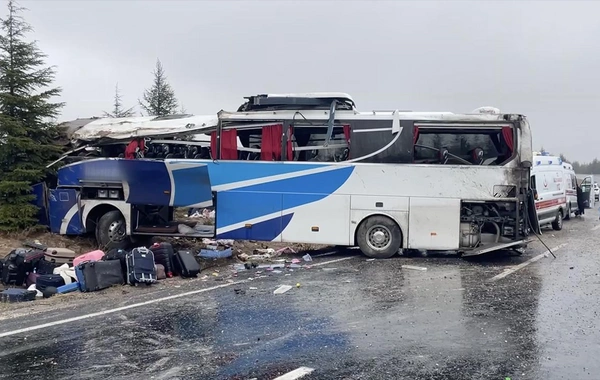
[{"x": 495, "y": 317}]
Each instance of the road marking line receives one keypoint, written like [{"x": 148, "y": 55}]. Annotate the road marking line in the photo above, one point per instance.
[
  {"x": 326, "y": 254},
  {"x": 115, "y": 310},
  {"x": 295, "y": 374},
  {"x": 523, "y": 265},
  {"x": 330, "y": 261},
  {"x": 595, "y": 228}
]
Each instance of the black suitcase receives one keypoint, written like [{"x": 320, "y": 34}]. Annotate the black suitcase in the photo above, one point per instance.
[
  {"x": 45, "y": 267},
  {"x": 48, "y": 280},
  {"x": 17, "y": 295},
  {"x": 163, "y": 254},
  {"x": 140, "y": 266},
  {"x": 98, "y": 275},
  {"x": 12, "y": 274},
  {"x": 186, "y": 265},
  {"x": 117, "y": 254},
  {"x": 27, "y": 258}
]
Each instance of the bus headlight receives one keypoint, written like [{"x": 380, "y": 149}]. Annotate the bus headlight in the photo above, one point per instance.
[
  {"x": 103, "y": 193},
  {"x": 113, "y": 194}
]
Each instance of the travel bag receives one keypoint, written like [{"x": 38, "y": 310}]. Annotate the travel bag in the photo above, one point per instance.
[
  {"x": 96, "y": 255},
  {"x": 140, "y": 266},
  {"x": 186, "y": 265},
  {"x": 118, "y": 255},
  {"x": 60, "y": 255},
  {"x": 17, "y": 295},
  {"x": 163, "y": 254},
  {"x": 98, "y": 275},
  {"x": 12, "y": 274},
  {"x": 48, "y": 281},
  {"x": 160, "y": 272},
  {"x": 45, "y": 267},
  {"x": 31, "y": 279},
  {"x": 27, "y": 259}
]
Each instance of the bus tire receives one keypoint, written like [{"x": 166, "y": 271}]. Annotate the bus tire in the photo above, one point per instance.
[
  {"x": 111, "y": 231},
  {"x": 379, "y": 237},
  {"x": 557, "y": 225}
]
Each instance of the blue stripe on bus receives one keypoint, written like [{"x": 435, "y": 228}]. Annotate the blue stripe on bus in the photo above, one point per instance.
[
  {"x": 246, "y": 203},
  {"x": 265, "y": 231},
  {"x": 224, "y": 172},
  {"x": 191, "y": 186}
]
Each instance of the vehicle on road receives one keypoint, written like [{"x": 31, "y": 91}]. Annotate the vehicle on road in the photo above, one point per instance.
[
  {"x": 313, "y": 169},
  {"x": 596, "y": 192},
  {"x": 555, "y": 189}
]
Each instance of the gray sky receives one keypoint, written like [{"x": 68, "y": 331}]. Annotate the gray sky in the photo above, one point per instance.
[{"x": 536, "y": 58}]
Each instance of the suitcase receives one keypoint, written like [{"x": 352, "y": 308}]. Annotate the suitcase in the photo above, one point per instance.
[
  {"x": 117, "y": 254},
  {"x": 186, "y": 265},
  {"x": 98, "y": 275},
  {"x": 60, "y": 255},
  {"x": 17, "y": 295},
  {"x": 11, "y": 273},
  {"x": 68, "y": 288},
  {"x": 45, "y": 267},
  {"x": 160, "y": 272},
  {"x": 96, "y": 255},
  {"x": 140, "y": 266},
  {"x": 28, "y": 259},
  {"x": 163, "y": 254},
  {"x": 31, "y": 279},
  {"x": 48, "y": 281}
]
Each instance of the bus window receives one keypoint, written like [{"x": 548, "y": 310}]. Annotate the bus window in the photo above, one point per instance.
[{"x": 462, "y": 147}]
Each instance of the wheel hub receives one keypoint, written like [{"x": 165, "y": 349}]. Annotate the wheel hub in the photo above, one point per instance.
[
  {"x": 116, "y": 231},
  {"x": 379, "y": 237}
]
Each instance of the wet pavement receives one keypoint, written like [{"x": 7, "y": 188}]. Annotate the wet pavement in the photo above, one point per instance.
[{"x": 350, "y": 318}]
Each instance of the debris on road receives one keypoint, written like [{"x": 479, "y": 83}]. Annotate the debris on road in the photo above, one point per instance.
[
  {"x": 282, "y": 289},
  {"x": 307, "y": 257},
  {"x": 413, "y": 267}
]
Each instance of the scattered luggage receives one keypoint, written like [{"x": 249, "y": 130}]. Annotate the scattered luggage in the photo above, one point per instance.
[
  {"x": 45, "y": 267},
  {"x": 31, "y": 279},
  {"x": 27, "y": 259},
  {"x": 60, "y": 255},
  {"x": 90, "y": 256},
  {"x": 186, "y": 265},
  {"x": 17, "y": 295},
  {"x": 160, "y": 272},
  {"x": 163, "y": 254},
  {"x": 11, "y": 273},
  {"x": 68, "y": 288},
  {"x": 140, "y": 266},
  {"x": 48, "y": 280},
  {"x": 117, "y": 254},
  {"x": 98, "y": 275}
]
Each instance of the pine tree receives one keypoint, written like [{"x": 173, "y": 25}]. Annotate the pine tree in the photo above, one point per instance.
[
  {"x": 159, "y": 100},
  {"x": 118, "y": 110},
  {"x": 27, "y": 130}
]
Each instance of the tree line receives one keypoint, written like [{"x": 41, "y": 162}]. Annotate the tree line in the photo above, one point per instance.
[{"x": 28, "y": 117}]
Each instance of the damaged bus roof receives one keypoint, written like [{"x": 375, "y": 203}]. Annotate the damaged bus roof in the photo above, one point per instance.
[{"x": 97, "y": 130}]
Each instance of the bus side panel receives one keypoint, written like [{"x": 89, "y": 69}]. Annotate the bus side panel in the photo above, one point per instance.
[
  {"x": 246, "y": 215},
  {"x": 318, "y": 220},
  {"x": 64, "y": 212},
  {"x": 434, "y": 223}
]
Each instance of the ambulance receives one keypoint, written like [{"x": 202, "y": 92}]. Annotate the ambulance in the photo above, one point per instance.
[{"x": 555, "y": 189}]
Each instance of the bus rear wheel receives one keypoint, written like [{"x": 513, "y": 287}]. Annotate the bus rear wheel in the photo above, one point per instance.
[
  {"x": 111, "y": 232},
  {"x": 379, "y": 237}
]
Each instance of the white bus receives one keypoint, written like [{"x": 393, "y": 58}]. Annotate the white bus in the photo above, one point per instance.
[{"x": 313, "y": 169}]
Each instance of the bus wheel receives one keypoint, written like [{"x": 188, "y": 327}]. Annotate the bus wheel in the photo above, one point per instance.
[
  {"x": 111, "y": 232},
  {"x": 379, "y": 237},
  {"x": 557, "y": 225}
]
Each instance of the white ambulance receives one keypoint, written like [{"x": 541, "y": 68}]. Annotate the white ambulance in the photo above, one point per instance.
[{"x": 555, "y": 189}]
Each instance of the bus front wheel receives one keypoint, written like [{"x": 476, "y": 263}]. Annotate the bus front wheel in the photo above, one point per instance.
[
  {"x": 379, "y": 237},
  {"x": 111, "y": 232}
]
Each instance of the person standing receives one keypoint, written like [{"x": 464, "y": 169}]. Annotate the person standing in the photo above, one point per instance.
[{"x": 580, "y": 201}]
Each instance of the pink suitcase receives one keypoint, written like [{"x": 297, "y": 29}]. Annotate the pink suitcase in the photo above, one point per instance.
[{"x": 90, "y": 256}]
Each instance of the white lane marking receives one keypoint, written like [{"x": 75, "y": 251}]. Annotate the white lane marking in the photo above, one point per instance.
[
  {"x": 595, "y": 228},
  {"x": 295, "y": 374},
  {"x": 115, "y": 310},
  {"x": 330, "y": 261},
  {"x": 523, "y": 265}
]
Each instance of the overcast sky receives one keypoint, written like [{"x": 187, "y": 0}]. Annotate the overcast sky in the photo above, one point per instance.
[{"x": 538, "y": 58}]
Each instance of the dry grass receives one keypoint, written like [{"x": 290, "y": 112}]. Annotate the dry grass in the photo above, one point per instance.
[{"x": 10, "y": 241}]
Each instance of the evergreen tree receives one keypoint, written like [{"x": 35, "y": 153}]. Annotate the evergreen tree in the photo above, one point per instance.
[
  {"x": 159, "y": 100},
  {"x": 27, "y": 130},
  {"x": 118, "y": 110}
]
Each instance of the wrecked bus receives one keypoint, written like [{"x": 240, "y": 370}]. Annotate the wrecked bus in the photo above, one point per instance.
[{"x": 310, "y": 168}]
